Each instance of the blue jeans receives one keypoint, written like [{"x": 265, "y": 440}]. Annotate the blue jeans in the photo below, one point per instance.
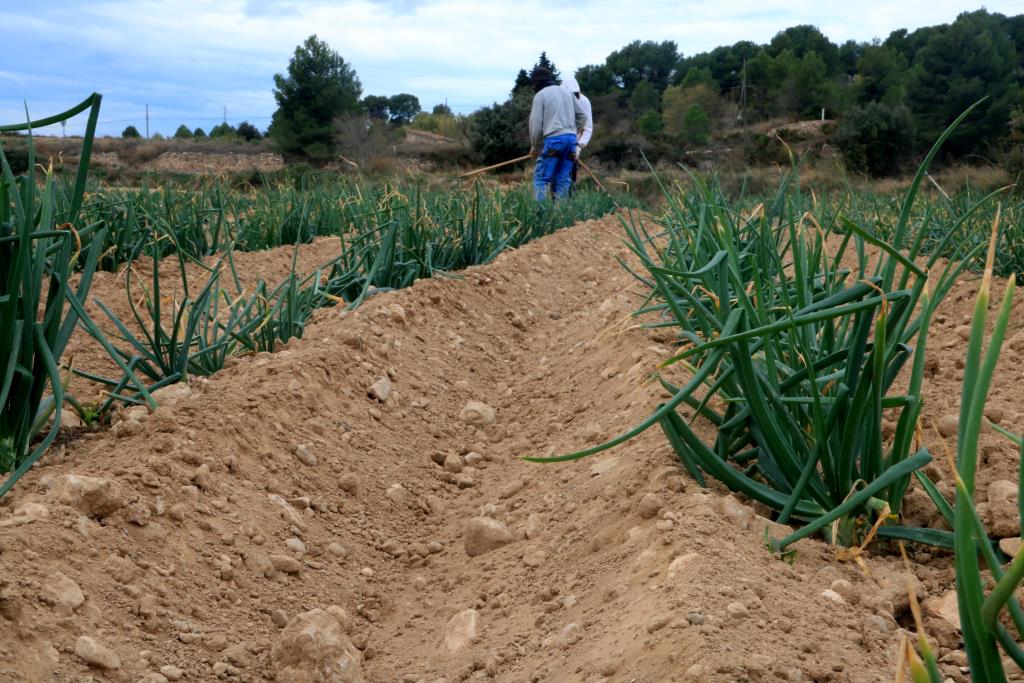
[{"x": 554, "y": 166}]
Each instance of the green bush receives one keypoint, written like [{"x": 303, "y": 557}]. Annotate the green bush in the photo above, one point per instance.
[
  {"x": 650, "y": 123},
  {"x": 500, "y": 132},
  {"x": 875, "y": 138},
  {"x": 762, "y": 148},
  {"x": 696, "y": 126}
]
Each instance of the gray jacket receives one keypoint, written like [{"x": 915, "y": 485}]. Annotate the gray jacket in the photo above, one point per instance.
[{"x": 555, "y": 112}]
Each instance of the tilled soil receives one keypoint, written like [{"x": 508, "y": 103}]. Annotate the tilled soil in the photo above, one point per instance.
[{"x": 277, "y": 522}]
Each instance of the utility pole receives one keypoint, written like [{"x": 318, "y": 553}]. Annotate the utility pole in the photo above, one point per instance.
[
  {"x": 63, "y": 129},
  {"x": 743, "y": 92},
  {"x": 147, "y": 121},
  {"x": 225, "y": 113}
]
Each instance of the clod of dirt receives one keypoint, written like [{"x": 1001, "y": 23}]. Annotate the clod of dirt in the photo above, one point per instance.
[
  {"x": 948, "y": 425},
  {"x": 680, "y": 564},
  {"x": 283, "y": 563},
  {"x": 171, "y": 672},
  {"x": 737, "y": 610},
  {"x": 453, "y": 463},
  {"x": 92, "y": 496},
  {"x": 380, "y": 390},
  {"x": 304, "y": 452},
  {"x": 26, "y": 513},
  {"x": 96, "y": 654},
  {"x": 1002, "y": 501},
  {"x": 462, "y": 630},
  {"x": 944, "y": 608},
  {"x": 63, "y": 593},
  {"x": 845, "y": 589},
  {"x": 1010, "y": 546},
  {"x": 172, "y": 394},
  {"x": 650, "y": 505},
  {"x": 735, "y": 512},
  {"x": 484, "y": 534},
  {"x": 568, "y": 636},
  {"x": 313, "y": 647},
  {"x": 397, "y": 313},
  {"x": 510, "y": 489},
  {"x": 477, "y": 414}
]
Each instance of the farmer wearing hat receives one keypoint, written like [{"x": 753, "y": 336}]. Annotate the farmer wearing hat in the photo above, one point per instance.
[{"x": 555, "y": 117}]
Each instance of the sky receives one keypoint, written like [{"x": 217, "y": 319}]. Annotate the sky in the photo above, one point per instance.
[{"x": 192, "y": 61}]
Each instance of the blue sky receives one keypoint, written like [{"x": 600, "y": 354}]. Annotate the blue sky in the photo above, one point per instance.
[{"x": 189, "y": 59}]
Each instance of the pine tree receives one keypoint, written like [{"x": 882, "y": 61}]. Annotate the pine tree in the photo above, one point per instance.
[
  {"x": 550, "y": 66},
  {"x": 522, "y": 81},
  {"x": 319, "y": 87}
]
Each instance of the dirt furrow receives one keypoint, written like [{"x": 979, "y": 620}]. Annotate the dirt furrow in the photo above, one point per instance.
[{"x": 351, "y": 487}]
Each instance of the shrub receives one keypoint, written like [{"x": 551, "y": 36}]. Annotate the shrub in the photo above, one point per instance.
[
  {"x": 223, "y": 130},
  {"x": 696, "y": 126},
  {"x": 183, "y": 132},
  {"x": 650, "y": 123},
  {"x": 875, "y": 138},
  {"x": 500, "y": 132},
  {"x": 763, "y": 149},
  {"x": 248, "y": 132},
  {"x": 130, "y": 132}
]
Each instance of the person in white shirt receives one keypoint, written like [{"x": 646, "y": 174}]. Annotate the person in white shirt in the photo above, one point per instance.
[{"x": 582, "y": 135}]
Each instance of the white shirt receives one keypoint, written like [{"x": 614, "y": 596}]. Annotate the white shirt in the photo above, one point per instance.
[{"x": 583, "y": 137}]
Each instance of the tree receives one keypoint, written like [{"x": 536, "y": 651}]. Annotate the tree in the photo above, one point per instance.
[
  {"x": 650, "y": 123},
  {"x": 725, "y": 63},
  {"x": 876, "y": 139},
  {"x": 183, "y": 132},
  {"x": 804, "y": 39},
  {"x": 499, "y": 132},
  {"x": 376, "y": 106},
  {"x": 596, "y": 79},
  {"x": 644, "y": 61},
  {"x": 700, "y": 76},
  {"x": 403, "y": 108},
  {"x": 677, "y": 101},
  {"x": 130, "y": 132},
  {"x": 222, "y": 130},
  {"x": 881, "y": 75},
  {"x": 644, "y": 98},
  {"x": 522, "y": 81},
  {"x": 543, "y": 61},
  {"x": 442, "y": 110},
  {"x": 971, "y": 58},
  {"x": 318, "y": 88},
  {"x": 248, "y": 132},
  {"x": 850, "y": 53},
  {"x": 696, "y": 127},
  {"x": 199, "y": 133}
]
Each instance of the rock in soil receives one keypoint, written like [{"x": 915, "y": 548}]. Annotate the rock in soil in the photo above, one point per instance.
[
  {"x": 477, "y": 414},
  {"x": 314, "y": 647},
  {"x": 484, "y": 534},
  {"x": 462, "y": 630},
  {"x": 96, "y": 654}
]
